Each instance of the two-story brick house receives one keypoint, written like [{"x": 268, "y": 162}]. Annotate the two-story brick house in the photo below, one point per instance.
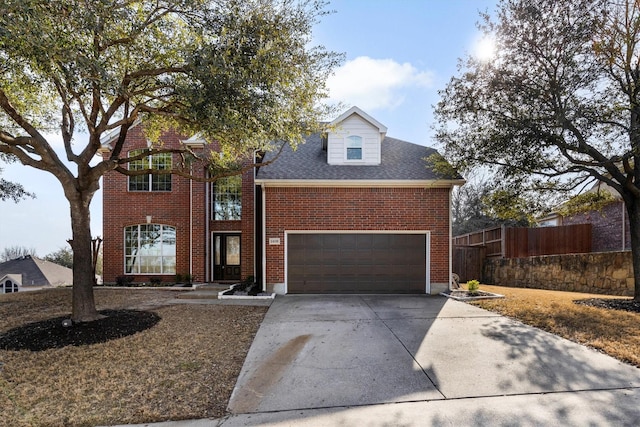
[{"x": 349, "y": 211}]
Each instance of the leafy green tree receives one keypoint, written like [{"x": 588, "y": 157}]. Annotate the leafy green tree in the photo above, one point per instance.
[
  {"x": 481, "y": 204},
  {"x": 558, "y": 106},
  {"x": 63, "y": 257},
  {"x": 238, "y": 72},
  {"x": 11, "y": 190}
]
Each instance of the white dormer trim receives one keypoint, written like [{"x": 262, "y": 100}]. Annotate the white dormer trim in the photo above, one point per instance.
[
  {"x": 355, "y": 138},
  {"x": 15, "y": 281},
  {"x": 355, "y": 110},
  {"x": 196, "y": 141}
]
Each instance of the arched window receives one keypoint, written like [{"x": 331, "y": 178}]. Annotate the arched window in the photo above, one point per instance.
[
  {"x": 354, "y": 147},
  {"x": 150, "y": 249},
  {"x": 9, "y": 286}
]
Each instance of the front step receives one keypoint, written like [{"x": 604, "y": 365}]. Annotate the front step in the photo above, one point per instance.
[
  {"x": 199, "y": 295},
  {"x": 204, "y": 291}
]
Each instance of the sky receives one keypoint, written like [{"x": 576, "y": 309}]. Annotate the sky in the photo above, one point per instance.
[{"x": 398, "y": 54}]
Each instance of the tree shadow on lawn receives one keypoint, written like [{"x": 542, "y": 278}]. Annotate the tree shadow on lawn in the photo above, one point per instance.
[
  {"x": 51, "y": 333},
  {"x": 549, "y": 363}
]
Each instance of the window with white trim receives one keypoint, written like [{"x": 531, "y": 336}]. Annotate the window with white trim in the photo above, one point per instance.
[
  {"x": 227, "y": 199},
  {"x": 9, "y": 287},
  {"x": 354, "y": 147},
  {"x": 150, "y": 249},
  {"x": 150, "y": 182}
]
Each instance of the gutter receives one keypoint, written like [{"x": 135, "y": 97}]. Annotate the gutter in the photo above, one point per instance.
[{"x": 361, "y": 183}]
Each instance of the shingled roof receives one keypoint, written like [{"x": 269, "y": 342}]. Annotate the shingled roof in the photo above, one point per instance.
[
  {"x": 400, "y": 161},
  {"x": 37, "y": 272}
]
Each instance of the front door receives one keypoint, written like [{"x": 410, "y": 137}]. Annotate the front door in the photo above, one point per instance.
[{"x": 226, "y": 256}]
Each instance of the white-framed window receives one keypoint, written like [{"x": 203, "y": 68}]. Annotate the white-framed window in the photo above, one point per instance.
[
  {"x": 150, "y": 182},
  {"x": 227, "y": 199},
  {"x": 354, "y": 147},
  {"x": 150, "y": 249},
  {"x": 9, "y": 286}
]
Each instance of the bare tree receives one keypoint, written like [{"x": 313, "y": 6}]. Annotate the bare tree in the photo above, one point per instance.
[{"x": 13, "y": 252}]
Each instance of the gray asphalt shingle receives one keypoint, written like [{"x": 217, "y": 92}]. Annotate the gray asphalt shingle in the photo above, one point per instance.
[
  {"x": 37, "y": 272},
  {"x": 401, "y": 160}
]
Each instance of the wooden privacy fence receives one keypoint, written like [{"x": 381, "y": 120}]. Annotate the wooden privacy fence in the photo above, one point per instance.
[
  {"x": 490, "y": 239},
  {"x": 468, "y": 262},
  {"x": 565, "y": 239},
  {"x": 521, "y": 242}
]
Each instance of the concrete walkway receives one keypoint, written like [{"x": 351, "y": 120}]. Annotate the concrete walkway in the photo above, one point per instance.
[{"x": 420, "y": 360}]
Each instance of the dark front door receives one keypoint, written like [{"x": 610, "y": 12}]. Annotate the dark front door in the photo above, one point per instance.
[{"x": 226, "y": 256}]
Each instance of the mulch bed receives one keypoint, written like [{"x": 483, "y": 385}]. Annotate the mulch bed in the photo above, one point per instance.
[
  {"x": 625, "y": 304},
  {"x": 51, "y": 333}
]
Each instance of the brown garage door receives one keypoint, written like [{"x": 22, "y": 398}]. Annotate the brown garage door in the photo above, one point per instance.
[{"x": 356, "y": 263}]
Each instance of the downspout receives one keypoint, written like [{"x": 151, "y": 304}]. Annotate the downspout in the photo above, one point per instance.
[
  {"x": 207, "y": 230},
  {"x": 264, "y": 239},
  {"x": 191, "y": 227},
  {"x": 255, "y": 212},
  {"x": 624, "y": 232},
  {"x": 450, "y": 245}
]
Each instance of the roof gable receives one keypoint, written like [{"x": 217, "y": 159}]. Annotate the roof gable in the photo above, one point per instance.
[
  {"x": 15, "y": 278},
  {"x": 37, "y": 272},
  {"x": 355, "y": 138},
  {"x": 355, "y": 110}
]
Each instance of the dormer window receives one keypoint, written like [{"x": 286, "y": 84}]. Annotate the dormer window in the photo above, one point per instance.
[
  {"x": 355, "y": 139},
  {"x": 354, "y": 147}
]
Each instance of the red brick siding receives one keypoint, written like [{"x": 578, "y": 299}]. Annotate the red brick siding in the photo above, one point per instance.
[
  {"x": 358, "y": 209},
  {"x": 122, "y": 208},
  {"x": 607, "y": 227},
  {"x": 244, "y": 226},
  {"x": 247, "y": 246}
]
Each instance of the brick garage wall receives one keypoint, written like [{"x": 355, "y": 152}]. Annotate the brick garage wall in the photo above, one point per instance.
[
  {"x": 608, "y": 273},
  {"x": 608, "y": 226},
  {"x": 122, "y": 208},
  {"x": 358, "y": 209}
]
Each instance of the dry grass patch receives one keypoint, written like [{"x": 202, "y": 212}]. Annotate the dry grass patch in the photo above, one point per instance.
[
  {"x": 614, "y": 332},
  {"x": 183, "y": 367}
]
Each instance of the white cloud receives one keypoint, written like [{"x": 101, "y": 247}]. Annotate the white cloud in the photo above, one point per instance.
[{"x": 374, "y": 84}]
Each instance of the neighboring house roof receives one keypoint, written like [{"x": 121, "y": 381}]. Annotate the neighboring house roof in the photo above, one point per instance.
[
  {"x": 15, "y": 278},
  {"x": 37, "y": 272},
  {"x": 401, "y": 161}
]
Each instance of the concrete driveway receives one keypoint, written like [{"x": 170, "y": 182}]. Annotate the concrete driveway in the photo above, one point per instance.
[{"x": 354, "y": 360}]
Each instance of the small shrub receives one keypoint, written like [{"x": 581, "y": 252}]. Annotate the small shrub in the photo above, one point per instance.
[
  {"x": 156, "y": 281},
  {"x": 473, "y": 286},
  {"x": 124, "y": 280},
  {"x": 186, "y": 279}
]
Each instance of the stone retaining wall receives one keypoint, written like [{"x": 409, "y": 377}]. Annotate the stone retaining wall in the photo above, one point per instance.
[{"x": 599, "y": 273}]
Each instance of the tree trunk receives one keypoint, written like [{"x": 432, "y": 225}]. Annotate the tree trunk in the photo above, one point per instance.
[
  {"x": 633, "y": 209},
  {"x": 83, "y": 303}
]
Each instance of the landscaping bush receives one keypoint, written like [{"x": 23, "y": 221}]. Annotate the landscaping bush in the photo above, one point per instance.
[
  {"x": 124, "y": 280},
  {"x": 473, "y": 286}
]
